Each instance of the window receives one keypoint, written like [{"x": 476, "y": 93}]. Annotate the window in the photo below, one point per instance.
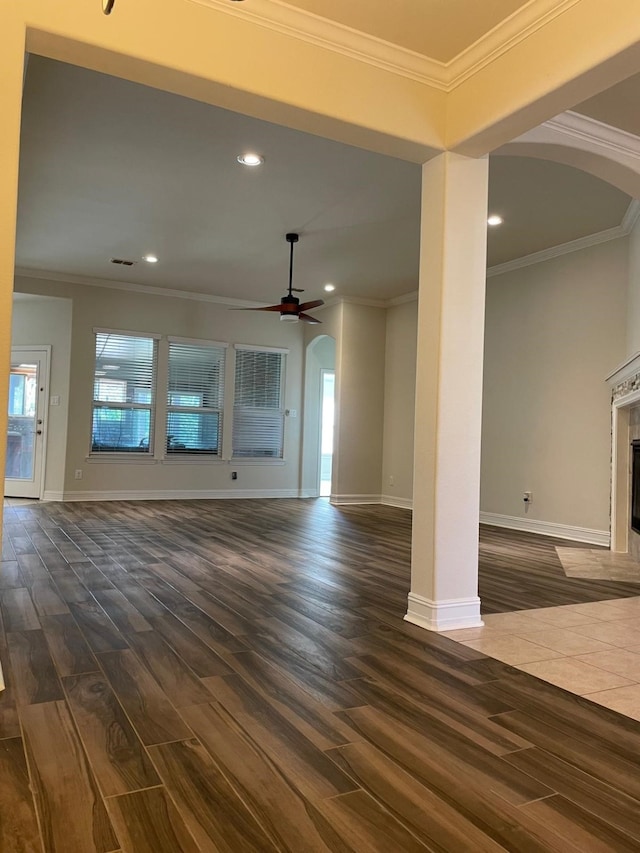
[
  {"x": 195, "y": 398},
  {"x": 123, "y": 393},
  {"x": 258, "y": 415},
  {"x": 22, "y": 391}
]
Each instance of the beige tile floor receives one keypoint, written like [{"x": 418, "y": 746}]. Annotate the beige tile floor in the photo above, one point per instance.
[
  {"x": 592, "y": 650},
  {"x": 598, "y": 564}
]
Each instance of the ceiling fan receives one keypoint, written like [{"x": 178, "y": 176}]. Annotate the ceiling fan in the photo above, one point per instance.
[{"x": 289, "y": 307}]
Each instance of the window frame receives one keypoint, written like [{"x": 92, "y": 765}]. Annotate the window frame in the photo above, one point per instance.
[
  {"x": 260, "y": 459},
  {"x": 170, "y": 408},
  {"x": 140, "y": 453}
]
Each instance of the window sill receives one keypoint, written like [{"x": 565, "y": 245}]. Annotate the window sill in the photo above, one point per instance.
[
  {"x": 256, "y": 461},
  {"x": 138, "y": 459},
  {"x": 192, "y": 459},
  {"x": 127, "y": 458}
]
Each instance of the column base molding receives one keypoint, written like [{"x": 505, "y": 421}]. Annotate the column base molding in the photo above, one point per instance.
[{"x": 446, "y": 615}]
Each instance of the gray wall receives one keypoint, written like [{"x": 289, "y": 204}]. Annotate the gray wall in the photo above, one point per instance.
[
  {"x": 139, "y": 312},
  {"x": 399, "y": 403},
  {"x": 554, "y": 331}
]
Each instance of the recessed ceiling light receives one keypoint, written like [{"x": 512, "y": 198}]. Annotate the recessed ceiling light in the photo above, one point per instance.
[
  {"x": 329, "y": 287},
  {"x": 494, "y": 219},
  {"x": 250, "y": 159},
  {"x": 150, "y": 259}
]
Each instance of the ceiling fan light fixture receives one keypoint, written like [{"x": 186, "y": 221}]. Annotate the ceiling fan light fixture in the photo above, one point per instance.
[
  {"x": 289, "y": 307},
  {"x": 250, "y": 159}
]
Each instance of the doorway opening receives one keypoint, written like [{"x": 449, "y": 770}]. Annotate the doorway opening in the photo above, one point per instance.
[
  {"x": 327, "y": 423},
  {"x": 320, "y": 451}
]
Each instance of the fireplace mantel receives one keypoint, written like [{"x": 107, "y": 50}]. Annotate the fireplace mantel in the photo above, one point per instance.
[{"x": 626, "y": 372}]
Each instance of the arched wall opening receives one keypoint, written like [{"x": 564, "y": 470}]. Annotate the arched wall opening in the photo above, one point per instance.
[
  {"x": 320, "y": 359},
  {"x": 557, "y": 325}
]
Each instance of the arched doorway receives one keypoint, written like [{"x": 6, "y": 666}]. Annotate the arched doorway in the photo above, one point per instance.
[{"x": 318, "y": 429}]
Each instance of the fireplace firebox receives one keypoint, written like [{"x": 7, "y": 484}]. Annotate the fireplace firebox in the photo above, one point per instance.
[{"x": 635, "y": 485}]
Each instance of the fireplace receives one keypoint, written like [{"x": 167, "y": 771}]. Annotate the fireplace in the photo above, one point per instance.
[
  {"x": 625, "y": 458},
  {"x": 635, "y": 485}
]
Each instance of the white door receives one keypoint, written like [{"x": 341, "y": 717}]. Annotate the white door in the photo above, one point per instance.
[{"x": 26, "y": 433}]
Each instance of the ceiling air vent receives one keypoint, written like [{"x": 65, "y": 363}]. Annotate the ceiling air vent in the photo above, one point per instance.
[{"x": 122, "y": 262}]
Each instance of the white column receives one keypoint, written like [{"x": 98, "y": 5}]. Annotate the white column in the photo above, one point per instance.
[{"x": 446, "y": 491}]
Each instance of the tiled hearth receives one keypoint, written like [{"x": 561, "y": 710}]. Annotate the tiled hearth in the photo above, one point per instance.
[{"x": 598, "y": 564}]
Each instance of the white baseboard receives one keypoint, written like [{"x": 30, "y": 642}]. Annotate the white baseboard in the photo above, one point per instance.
[
  {"x": 547, "y": 528},
  {"x": 53, "y": 496},
  {"x": 446, "y": 615},
  {"x": 178, "y": 495},
  {"x": 401, "y": 503},
  {"x": 340, "y": 500}
]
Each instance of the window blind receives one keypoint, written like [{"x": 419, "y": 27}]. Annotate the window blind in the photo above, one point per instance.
[
  {"x": 258, "y": 415},
  {"x": 195, "y": 398},
  {"x": 123, "y": 393}
]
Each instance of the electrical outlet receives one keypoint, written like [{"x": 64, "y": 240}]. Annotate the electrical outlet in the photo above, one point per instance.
[
  {"x": 391, "y": 482},
  {"x": 527, "y": 497},
  {"x": 234, "y": 475},
  {"x": 78, "y": 473}
]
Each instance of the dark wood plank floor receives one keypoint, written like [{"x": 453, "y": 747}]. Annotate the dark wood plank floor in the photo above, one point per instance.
[
  {"x": 237, "y": 676},
  {"x": 520, "y": 571}
]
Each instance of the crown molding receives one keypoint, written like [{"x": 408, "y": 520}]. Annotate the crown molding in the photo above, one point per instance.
[
  {"x": 69, "y": 278},
  {"x": 506, "y": 35},
  {"x": 596, "y": 133},
  {"x": 622, "y": 230},
  {"x": 401, "y": 300},
  {"x": 149, "y": 290},
  {"x": 280, "y": 17},
  {"x": 360, "y": 300},
  {"x": 322, "y": 32}
]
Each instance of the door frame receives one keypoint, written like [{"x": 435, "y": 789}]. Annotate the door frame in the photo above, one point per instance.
[{"x": 44, "y": 353}]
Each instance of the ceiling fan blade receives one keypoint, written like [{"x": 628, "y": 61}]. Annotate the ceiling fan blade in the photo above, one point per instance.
[
  {"x": 307, "y": 318},
  {"x": 315, "y": 304},
  {"x": 266, "y": 308}
]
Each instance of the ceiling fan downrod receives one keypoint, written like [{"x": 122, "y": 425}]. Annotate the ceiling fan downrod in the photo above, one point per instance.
[{"x": 291, "y": 239}]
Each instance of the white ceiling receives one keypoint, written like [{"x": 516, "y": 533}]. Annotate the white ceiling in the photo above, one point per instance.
[{"x": 114, "y": 169}]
